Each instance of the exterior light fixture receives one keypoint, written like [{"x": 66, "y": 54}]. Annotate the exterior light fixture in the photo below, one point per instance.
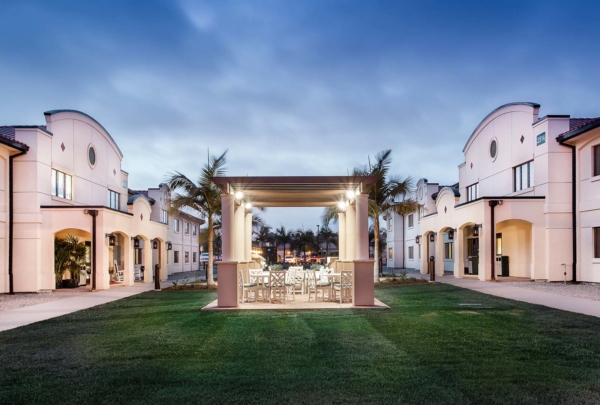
[
  {"x": 154, "y": 244},
  {"x": 169, "y": 246},
  {"x": 136, "y": 242},
  {"x": 112, "y": 239},
  {"x": 451, "y": 234},
  {"x": 475, "y": 230},
  {"x": 239, "y": 195},
  {"x": 418, "y": 239},
  {"x": 432, "y": 237},
  {"x": 342, "y": 205},
  {"x": 248, "y": 206},
  {"x": 350, "y": 194}
]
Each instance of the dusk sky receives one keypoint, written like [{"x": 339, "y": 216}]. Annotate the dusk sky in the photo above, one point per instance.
[{"x": 294, "y": 87}]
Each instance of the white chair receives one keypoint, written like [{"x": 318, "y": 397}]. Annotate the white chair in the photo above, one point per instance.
[
  {"x": 344, "y": 286},
  {"x": 290, "y": 282},
  {"x": 277, "y": 287},
  {"x": 119, "y": 273},
  {"x": 263, "y": 290},
  {"x": 245, "y": 288},
  {"x": 316, "y": 286}
]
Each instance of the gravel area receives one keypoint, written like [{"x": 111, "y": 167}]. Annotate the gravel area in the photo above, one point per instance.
[
  {"x": 8, "y": 302},
  {"x": 587, "y": 291}
]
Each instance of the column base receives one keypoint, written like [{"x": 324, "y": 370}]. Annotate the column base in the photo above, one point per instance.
[
  {"x": 227, "y": 292},
  {"x": 364, "y": 288}
]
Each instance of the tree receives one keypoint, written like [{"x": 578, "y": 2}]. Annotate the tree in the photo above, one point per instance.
[
  {"x": 388, "y": 194},
  {"x": 284, "y": 237},
  {"x": 264, "y": 235},
  {"x": 329, "y": 237},
  {"x": 304, "y": 239},
  {"x": 69, "y": 254},
  {"x": 203, "y": 196}
]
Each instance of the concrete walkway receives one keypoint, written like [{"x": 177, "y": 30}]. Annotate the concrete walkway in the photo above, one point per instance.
[
  {"x": 35, "y": 313},
  {"x": 499, "y": 289}
]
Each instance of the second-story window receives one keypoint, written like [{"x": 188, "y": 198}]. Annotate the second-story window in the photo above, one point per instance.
[
  {"x": 523, "y": 176},
  {"x": 194, "y": 230},
  {"x": 176, "y": 224},
  {"x": 62, "y": 185},
  {"x": 411, "y": 221},
  {"x": 164, "y": 217},
  {"x": 113, "y": 200},
  {"x": 596, "y": 157},
  {"x": 186, "y": 227},
  {"x": 473, "y": 192}
]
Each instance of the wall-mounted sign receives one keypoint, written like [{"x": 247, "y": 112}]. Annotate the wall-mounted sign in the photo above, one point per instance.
[{"x": 541, "y": 139}]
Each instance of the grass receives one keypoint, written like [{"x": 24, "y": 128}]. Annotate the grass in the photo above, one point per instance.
[{"x": 158, "y": 347}]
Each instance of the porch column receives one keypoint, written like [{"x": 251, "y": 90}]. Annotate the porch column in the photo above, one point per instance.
[
  {"x": 148, "y": 263},
  {"x": 439, "y": 270},
  {"x": 227, "y": 229},
  {"x": 239, "y": 233},
  {"x": 362, "y": 227},
  {"x": 342, "y": 235},
  {"x": 459, "y": 253},
  {"x": 351, "y": 236},
  {"x": 248, "y": 237}
]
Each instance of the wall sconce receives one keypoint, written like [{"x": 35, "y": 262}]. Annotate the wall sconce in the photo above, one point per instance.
[
  {"x": 154, "y": 244},
  {"x": 475, "y": 229},
  {"x": 418, "y": 239},
  {"x": 112, "y": 239},
  {"x": 136, "y": 242},
  {"x": 432, "y": 237},
  {"x": 169, "y": 246}
]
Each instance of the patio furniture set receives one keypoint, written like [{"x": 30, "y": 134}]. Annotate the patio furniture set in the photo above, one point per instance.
[{"x": 279, "y": 285}]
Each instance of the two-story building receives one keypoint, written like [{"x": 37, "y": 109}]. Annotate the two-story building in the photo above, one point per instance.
[
  {"x": 65, "y": 178},
  {"x": 514, "y": 213}
]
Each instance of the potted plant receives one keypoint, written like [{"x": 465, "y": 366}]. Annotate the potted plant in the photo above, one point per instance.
[{"x": 69, "y": 255}]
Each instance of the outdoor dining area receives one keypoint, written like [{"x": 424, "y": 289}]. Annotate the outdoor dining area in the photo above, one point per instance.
[{"x": 277, "y": 286}]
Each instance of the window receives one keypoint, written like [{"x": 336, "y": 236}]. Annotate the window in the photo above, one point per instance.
[
  {"x": 176, "y": 223},
  {"x": 596, "y": 159},
  {"x": 186, "y": 257},
  {"x": 419, "y": 250},
  {"x": 493, "y": 149},
  {"x": 596, "y": 243},
  {"x": 473, "y": 192},
  {"x": 92, "y": 155},
  {"x": 62, "y": 185},
  {"x": 523, "y": 176},
  {"x": 411, "y": 252},
  {"x": 448, "y": 250},
  {"x": 186, "y": 227},
  {"x": 194, "y": 230},
  {"x": 164, "y": 217},
  {"x": 473, "y": 247},
  {"x": 390, "y": 253},
  {"x": 113, "y": 200},
  {"x": 194, "y": 257},
  {"x": 410, "y": 221},
  {"x": 176, "y": 256}
]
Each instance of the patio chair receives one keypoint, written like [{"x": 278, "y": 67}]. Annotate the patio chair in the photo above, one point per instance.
[
  {"x": 315, "y": 286},
  {"x": 291, "y": 282},
  {"x": 344, "y": 286},
  {"x": 277, "y": 285},
  {"x": 245, "y": 288}
]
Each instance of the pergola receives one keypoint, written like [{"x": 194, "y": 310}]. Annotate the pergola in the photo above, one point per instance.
[{"x": 242, "y": 194}]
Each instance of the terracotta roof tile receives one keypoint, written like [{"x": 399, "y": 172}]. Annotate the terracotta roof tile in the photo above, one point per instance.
[
  {"x": 576, "y": 123},
  {"x": 8, "y": 132}
]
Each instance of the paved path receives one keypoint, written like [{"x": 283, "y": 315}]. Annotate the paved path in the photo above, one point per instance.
[
  {"x": 547, "y": 299},
  {"x": 40, "y": 312}
]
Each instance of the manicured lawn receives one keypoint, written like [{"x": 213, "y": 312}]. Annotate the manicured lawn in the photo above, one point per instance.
[{"x": 159, "y": 348}]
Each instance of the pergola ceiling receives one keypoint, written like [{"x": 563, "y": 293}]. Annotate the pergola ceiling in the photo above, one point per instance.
[{"x": 294, "y": 191}]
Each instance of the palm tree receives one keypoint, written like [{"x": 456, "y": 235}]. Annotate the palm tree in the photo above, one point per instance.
[
  {"x": 69, "y": 254},
  {"x": 304, "y": 239},
  {"x": 284, "y": 237},
  {"x": 328, "y": 237},
  {"x": 203, "y": 196},
  {"x": 264, "y": 235},
  {"x": 388, "y": 194}
]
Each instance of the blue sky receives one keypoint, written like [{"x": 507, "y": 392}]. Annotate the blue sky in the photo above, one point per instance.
[{"x": 295, "y": 87}]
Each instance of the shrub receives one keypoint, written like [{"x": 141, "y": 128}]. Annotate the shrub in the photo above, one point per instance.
[{"x": 403, "y": 277}]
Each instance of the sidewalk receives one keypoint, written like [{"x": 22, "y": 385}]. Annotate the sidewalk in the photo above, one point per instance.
[
  {"x": 35, "y": 313},
  {"x": 499, "y": 289}
]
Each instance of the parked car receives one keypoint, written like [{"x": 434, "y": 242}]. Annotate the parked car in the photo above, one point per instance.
[
  {"x": 204, "y": 258},
  {"x": 290, "y": 259}
]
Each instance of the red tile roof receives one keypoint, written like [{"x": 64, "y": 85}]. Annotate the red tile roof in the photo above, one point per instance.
[
  {"x": 576, "y": 123},
  {"x": 8, "y": 132}
]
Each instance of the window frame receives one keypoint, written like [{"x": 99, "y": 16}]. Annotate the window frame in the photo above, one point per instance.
[
  {"x": 449, "y": 251},
  {"x": 596, "y": 160},
  {"x": 518, "y": 176},
  {"x": 186, "y": 228},
  {"x": 186, "y": 257},
  {"x": 194, "y": 230},
  {"x": 411, "y": 221},
  {"x": 164, "y": 217},
  {"x": 411, "y": 253},
  {"x": 194, "y": 257},
  {"x": 596, "y": 241},
  {"x": 473, "y": 192},
  {"x": 176, "y": 225},
  {"x": 113, "y": 195},
  {"x": 67, "y": 185},
  {"x": 176, "y": 257}
]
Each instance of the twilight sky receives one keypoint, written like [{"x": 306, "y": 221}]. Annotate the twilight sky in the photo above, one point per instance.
[{"x": 307, "y": 87}]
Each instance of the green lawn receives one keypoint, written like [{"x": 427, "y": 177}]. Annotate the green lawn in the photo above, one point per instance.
[{"x": 158, "y": 347}]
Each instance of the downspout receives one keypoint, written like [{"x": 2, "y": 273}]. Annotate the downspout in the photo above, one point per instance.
[
  {"x": 11, "y": 221},
  {"x": 93, "y": 214},
  {"x": 403, "y": 244},
  {"x": 493, "y": 204},
  {"x": 574, "y": 206}
]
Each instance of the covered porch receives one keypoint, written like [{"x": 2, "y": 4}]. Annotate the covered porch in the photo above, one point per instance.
[{"x": 352, "y": 272}]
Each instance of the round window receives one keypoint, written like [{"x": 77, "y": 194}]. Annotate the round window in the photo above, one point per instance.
[
  {"x": 92, "y": 155},
  {"x": 493, "y": 149}
]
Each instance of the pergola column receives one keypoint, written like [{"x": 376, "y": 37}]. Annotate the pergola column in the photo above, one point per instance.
[
  {"x": 362, "y": 227},
  {"x": 364, "y": 269},
  {"x": 342, "y": 235},
  {"x": 351, "y": 234},
  {"x": 227, "y": 227},
  {"x": 239, "y": 233},
  {"x": 248, "y": 237}
]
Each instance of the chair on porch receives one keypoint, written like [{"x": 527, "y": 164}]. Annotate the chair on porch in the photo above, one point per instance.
[
  {"x": 119, "y": 273},
  {"x": 315, "y": 286},
  {"x": 245, "y": 288},
  {"x": 276, "y": 285},
  {"x": 261, "y": 287},
  {"x": 344, "y": 286}
]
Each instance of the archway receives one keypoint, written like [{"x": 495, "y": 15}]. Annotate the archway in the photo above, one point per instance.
[
  {"x": 514, "y": 248},
  {"x": 427, "y": 244},
  {"x": 446, "y": 248},
  {"x": 118, "y": 260},
  {"x": 77, "y": 277},
  {"x": 468, "y": 251}
]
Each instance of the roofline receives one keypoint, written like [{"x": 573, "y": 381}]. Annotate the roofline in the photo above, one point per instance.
[
  {"x": 572, "y": 134},
  {"x": 190, "y": 216},
  {"x": 14, "y": 144},
  {"x": 527, "y": 103},
  {"x": 52, "y": 112},
  {"x": 545, "y": 117},
  {"x": 134, "y": 197},
  {"x": 32, "y": 127}
]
